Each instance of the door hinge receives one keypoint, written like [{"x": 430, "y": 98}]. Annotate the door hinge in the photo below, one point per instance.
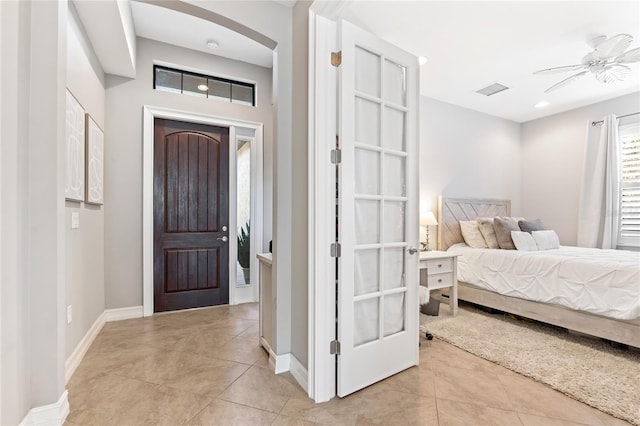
[
  {"x": 336, "y": 58},
  {"x": 335, "y": 250},
  {"x": 336, "y": 156},
  {"x": 334, "y": 347}
]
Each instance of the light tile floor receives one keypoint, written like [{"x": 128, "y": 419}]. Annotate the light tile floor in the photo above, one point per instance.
[{"x": 204, "y": 367}]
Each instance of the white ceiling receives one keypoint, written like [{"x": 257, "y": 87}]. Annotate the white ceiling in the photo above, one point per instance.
[
  {"x": 472, "y": 44},
  {"x": 468, "y": 44},
  {"x": 165, "y": 25}
]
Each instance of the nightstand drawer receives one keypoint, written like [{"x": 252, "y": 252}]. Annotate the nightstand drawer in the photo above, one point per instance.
[
  {"x": 436, "y": 266},
  {"x": 436, "y": 281}
]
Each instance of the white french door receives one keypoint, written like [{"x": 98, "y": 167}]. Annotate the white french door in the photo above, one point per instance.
[{"x": 378, "y": 210}]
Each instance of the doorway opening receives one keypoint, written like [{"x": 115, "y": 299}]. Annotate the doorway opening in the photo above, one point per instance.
[{"x": 245, "y": 141}]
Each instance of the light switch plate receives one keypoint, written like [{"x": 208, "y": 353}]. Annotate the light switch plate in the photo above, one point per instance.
[{"x": 75, "y": 220}]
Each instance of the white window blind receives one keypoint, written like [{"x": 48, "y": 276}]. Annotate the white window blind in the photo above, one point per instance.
[{"x": 630, "y": 186}]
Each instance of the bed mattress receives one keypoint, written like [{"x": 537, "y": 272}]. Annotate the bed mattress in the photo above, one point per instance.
[{"x": 602, "y": 282}]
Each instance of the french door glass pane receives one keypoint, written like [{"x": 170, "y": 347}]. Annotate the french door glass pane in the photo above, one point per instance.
[
  {"x": 394, "y": 135},
  {"x": 367, "y": 72},
  {"x": 367, "y": 264},
  {"x": 243, "y": 167},
  {"x": 394, "y": 215},
  {"x": 366, "y": 319},
  {"x": 366, "y": 124},
  {"x": 395, "y": 83},
  {"x": 367, "y": 172},
  {"x": 367, "y": 221},
  {"x": 394, "y": 175},
  {"x": 393, "y": 267},
  {"x": 393, "y": 314}
]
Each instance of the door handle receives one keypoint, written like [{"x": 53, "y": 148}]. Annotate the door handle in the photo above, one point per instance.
[
  {"x": 224, "y": 239},
  {"x": 412, "y": 250}
]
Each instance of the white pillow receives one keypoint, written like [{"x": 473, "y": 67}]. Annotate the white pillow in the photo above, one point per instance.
[
  {"x": 471, "y": 234},
  {"x": 523, "y": 241},
  {"x": 546, "y": 240}
]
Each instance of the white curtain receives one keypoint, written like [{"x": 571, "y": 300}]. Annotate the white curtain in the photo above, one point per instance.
[{"x": 599, "y": 214}]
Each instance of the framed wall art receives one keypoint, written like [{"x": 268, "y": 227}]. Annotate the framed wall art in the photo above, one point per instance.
[
  {"x": 74, "y": 150},
  {"x": 95, "y": 162}
]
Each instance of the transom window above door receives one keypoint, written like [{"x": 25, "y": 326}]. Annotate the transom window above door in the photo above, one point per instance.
[{"x": 205, "y": 86}]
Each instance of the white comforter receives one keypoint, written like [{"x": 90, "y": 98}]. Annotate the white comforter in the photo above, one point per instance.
[{"x": 603, "y": 282}]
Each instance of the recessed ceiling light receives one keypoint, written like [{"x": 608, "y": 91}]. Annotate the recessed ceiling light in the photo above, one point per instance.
[
  {"x": 203, "y": 87},
  {"x": 212, "y": 44},
  {"x": 541, "y": 104},
  {"x": 422, "y": 60}
]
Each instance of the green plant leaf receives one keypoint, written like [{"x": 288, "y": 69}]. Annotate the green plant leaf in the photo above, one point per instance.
[{"x": 244, "y": 246}]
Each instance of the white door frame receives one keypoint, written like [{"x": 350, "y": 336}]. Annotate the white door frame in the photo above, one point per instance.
[
  {"x": 323, "y": 86},
  {"x": 149, "y": 114}
]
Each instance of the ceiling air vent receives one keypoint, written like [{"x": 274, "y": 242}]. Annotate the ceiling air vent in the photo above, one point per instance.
[{"x": 492, "y": 89}]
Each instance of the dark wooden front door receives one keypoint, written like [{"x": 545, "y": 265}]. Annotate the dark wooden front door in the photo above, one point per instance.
[{"x": 191, "y": 215}]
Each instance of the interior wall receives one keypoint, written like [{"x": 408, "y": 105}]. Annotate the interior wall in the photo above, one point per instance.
[
  {"x": 125, "y": 99},
  {"x": 14, "y": 75},
  {"x": 465, "y": 153},
  {"x": 299, "y": 273},
  {"x": 85, "y": 290},
  {"x": 45, "y": 211},
  {"x": 553, "y": 152}
]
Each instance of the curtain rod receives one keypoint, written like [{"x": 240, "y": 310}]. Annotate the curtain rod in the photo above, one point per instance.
[{"x": 593, "y": 123}]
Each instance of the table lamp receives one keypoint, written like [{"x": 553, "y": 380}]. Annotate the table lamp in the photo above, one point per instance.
[{"x": 427, "y": 219}]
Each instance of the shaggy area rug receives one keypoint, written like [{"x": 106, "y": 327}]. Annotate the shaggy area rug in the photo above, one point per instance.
[{"x": 589, "y": 370}]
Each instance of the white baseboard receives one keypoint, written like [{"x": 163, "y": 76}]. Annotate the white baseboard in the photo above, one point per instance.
[
  {"x": 278, "y": 363},
  {"x": 83, "y": 346},
  {"x": 50, "y": 415},
  {"x": 287, "y": 362},
  {"x": 299, "y": 373},
  {"x": 120, "y": 314},
  {"x": 81, "y": 349}
]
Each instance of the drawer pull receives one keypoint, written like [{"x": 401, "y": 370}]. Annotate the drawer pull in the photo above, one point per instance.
[
  {"x": 439, "y": 265},
  {"x": 439, "y": 280}
]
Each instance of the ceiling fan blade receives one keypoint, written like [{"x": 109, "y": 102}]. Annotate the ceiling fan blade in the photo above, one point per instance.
[
  {"x": 613, "y": 46},
  {"x": 630, "y": 56},
  {"x": 613, "y": 73},
  {"x": 565, "y": 81},
  {"x": 557, "y": 70},
  {"x": 594, "y": 42}
]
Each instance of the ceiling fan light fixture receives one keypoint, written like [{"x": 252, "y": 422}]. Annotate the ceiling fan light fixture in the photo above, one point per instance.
[
  {"x": 212, "y": 44},
  {"x": 605, "y": 62}
]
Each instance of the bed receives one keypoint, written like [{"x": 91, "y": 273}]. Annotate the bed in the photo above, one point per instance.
[{"x": 615, "y": 316}]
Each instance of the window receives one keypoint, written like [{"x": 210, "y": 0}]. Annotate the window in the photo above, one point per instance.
[
  {"x": 204, "y": 86},
  {"x": 630, "y": 186}
]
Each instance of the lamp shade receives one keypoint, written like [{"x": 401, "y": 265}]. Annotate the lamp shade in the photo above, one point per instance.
[{"x": 427, "y": 219}]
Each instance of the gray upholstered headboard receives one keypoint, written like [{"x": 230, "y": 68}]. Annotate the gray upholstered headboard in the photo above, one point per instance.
[{"x": 452, "y": 210}]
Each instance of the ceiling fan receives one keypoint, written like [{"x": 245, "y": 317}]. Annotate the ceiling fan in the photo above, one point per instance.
[{"x": 606, "y": 62}]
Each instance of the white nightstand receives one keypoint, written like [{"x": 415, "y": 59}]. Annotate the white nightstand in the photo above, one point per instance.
[{"x": 442, "y": 272}]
